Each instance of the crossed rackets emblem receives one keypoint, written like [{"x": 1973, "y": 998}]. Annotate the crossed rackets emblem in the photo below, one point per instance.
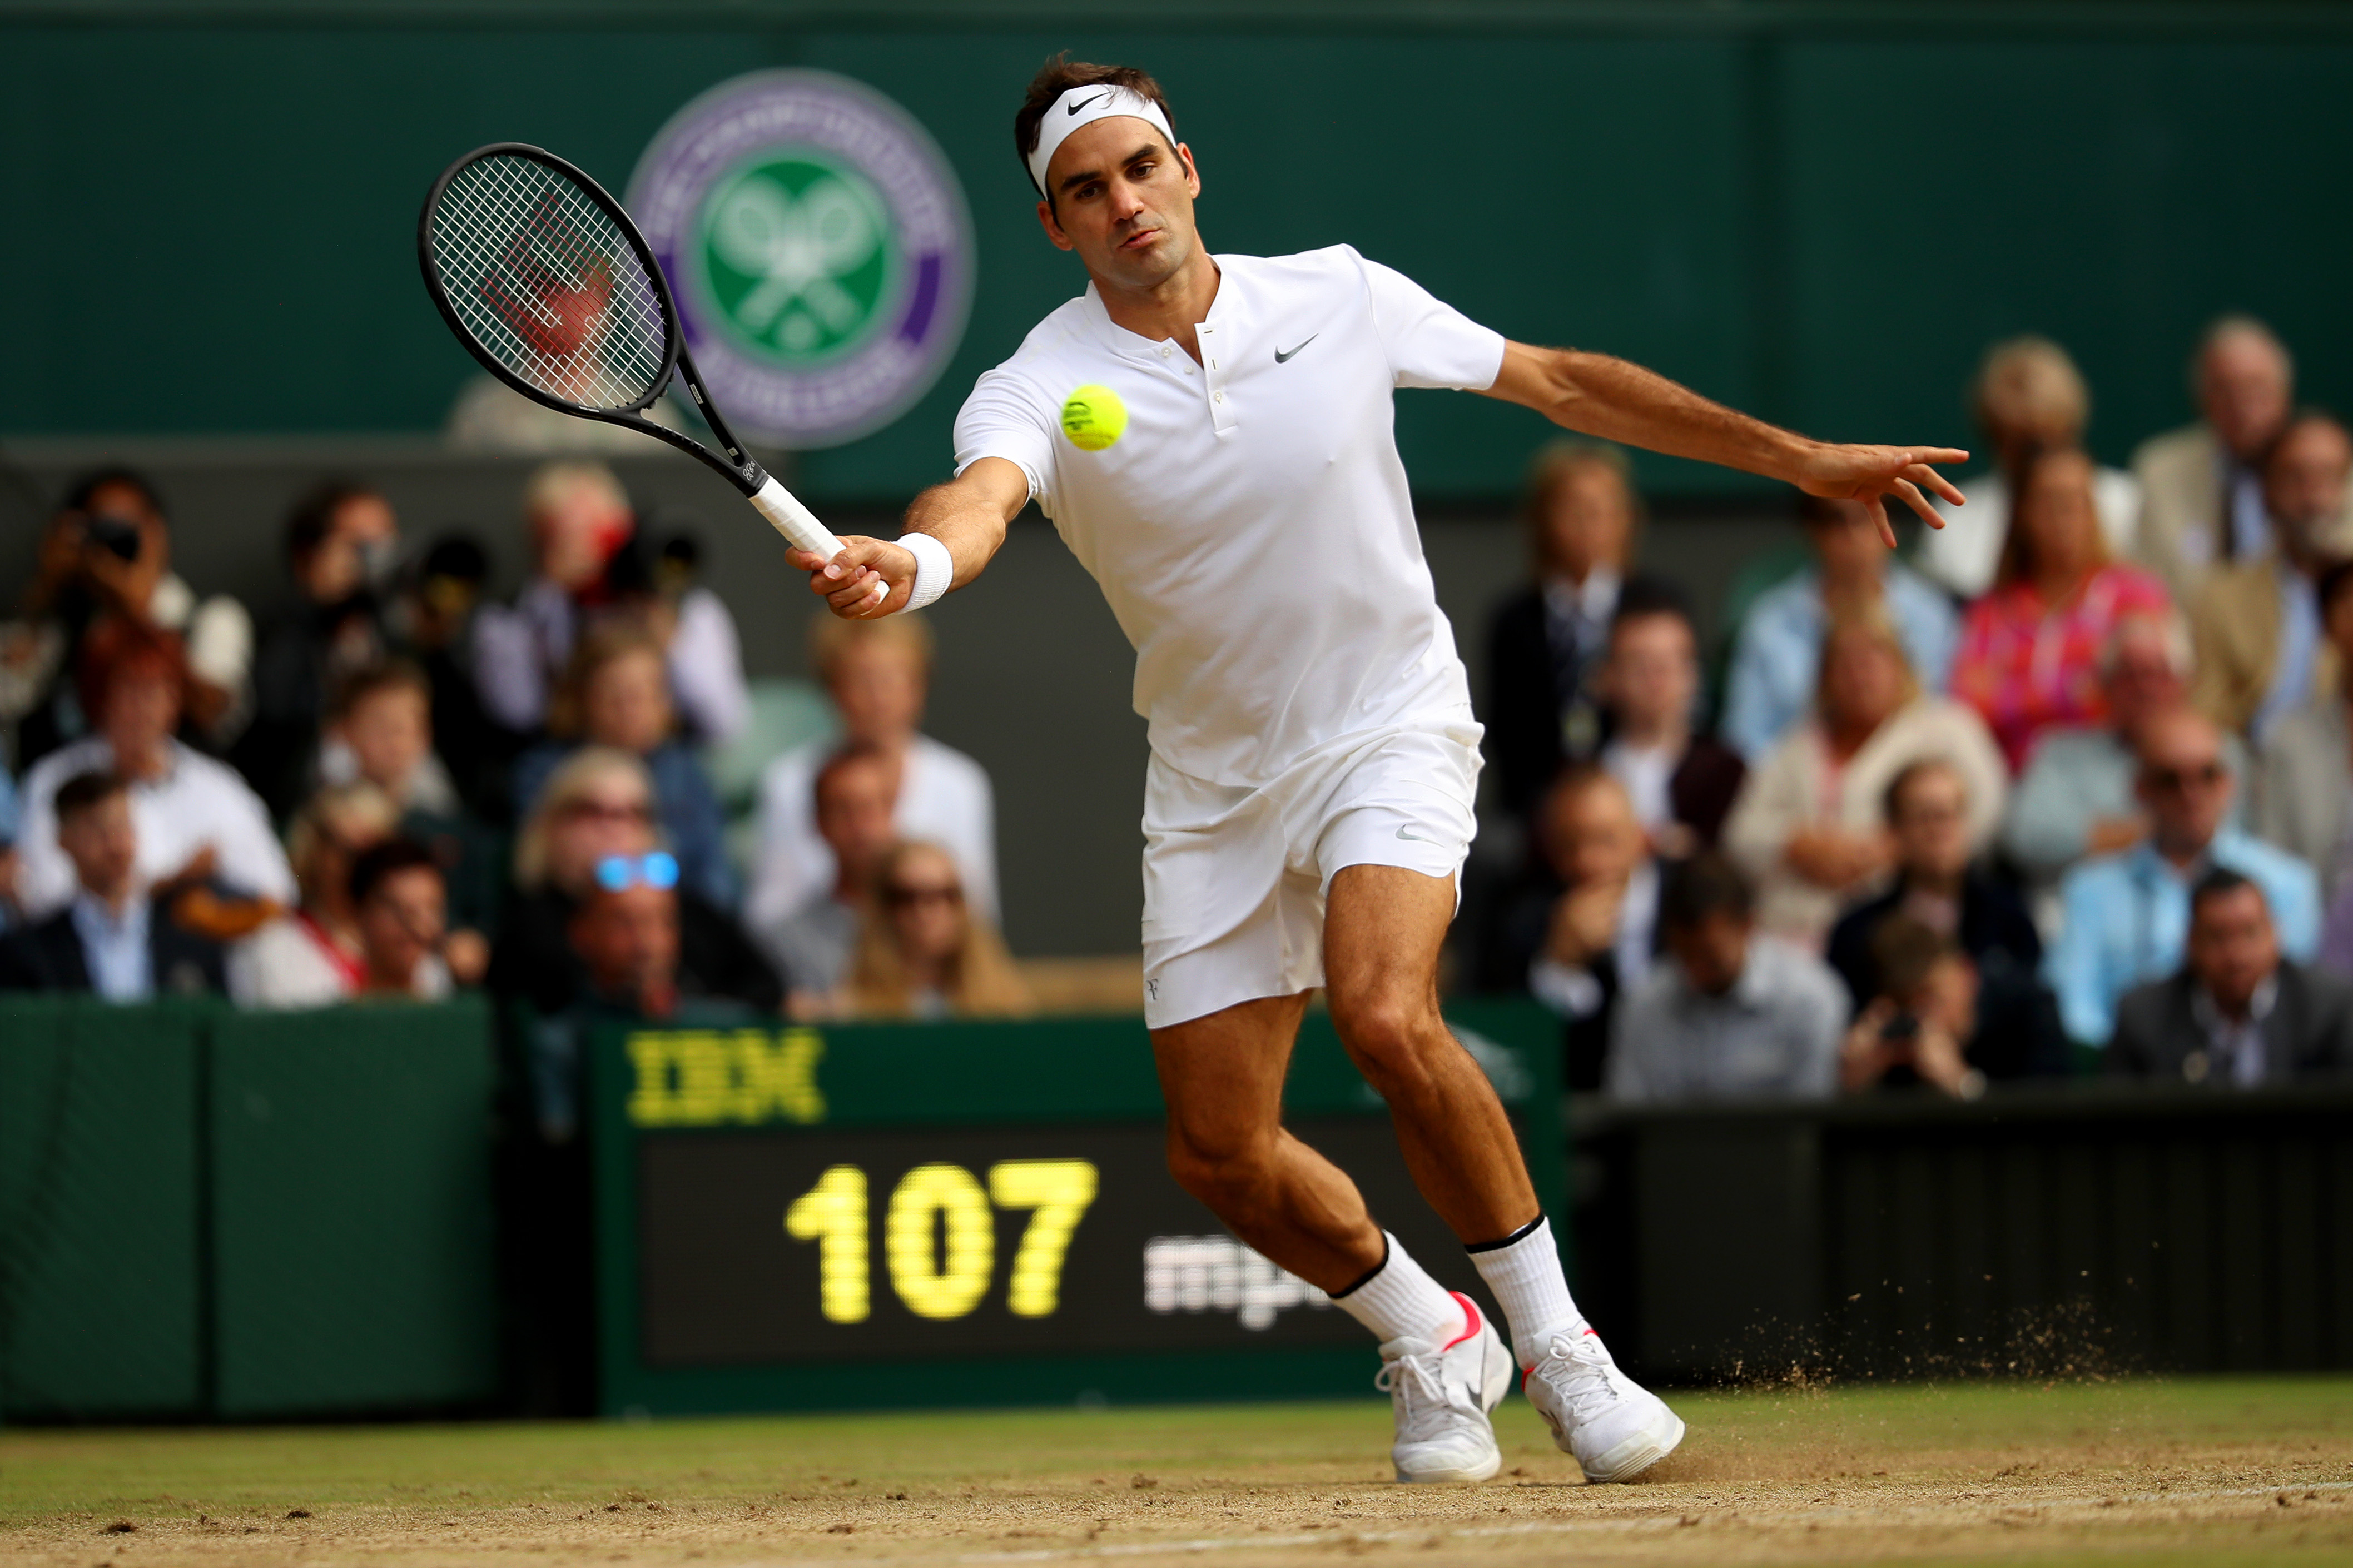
[{"x": 799, "y": 248}]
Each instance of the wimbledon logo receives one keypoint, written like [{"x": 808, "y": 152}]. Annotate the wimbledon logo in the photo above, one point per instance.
[{"x": 819, "y": 247}]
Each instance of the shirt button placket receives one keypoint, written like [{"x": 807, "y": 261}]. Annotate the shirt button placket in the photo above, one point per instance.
[{"x": 1213, "y": 358}]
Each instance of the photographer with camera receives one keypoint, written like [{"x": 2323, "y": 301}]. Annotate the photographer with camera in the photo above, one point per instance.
[{"x": 108, "y": 555}]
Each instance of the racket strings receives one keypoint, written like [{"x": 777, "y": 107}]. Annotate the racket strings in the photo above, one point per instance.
[{"x": 545, "y": 283}]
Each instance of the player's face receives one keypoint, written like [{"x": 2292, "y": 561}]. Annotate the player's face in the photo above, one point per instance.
[{"x": 1123, "y": 202}]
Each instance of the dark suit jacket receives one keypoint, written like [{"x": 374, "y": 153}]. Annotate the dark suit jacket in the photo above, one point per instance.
[
  {"x": 48, "y": 957},
  {"x": 1531, "y": 711},
  {"x": 2019, "y": 1034},
  {"x": 2308, "y": 1034},
  {"x": 532, "y": 958}
]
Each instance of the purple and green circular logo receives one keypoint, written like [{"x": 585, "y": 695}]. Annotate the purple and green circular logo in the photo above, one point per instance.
[{"x": 819, "y": 247}]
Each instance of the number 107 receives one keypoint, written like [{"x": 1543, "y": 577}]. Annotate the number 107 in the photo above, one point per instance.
[{"x": 932, "y": 1202}]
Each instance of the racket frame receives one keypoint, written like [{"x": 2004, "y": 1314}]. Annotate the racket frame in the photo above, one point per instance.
[{"x": 737, "y": 467}]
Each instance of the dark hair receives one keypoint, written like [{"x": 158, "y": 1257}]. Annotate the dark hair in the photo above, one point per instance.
[
  {"x": 1891, "y": 800},
  {"x": 1061, "y": 74},
  {"x": 2335, "y": 578},
  {"x": 114, "y": 647},
  {"x": 1706, "y": 884},
  {"x": 1646, "y": 596},
  {"x": 388, "y": 858},
  {"x": 1906, "y": 952},
  {"x": 313, "y": 517},
  {"x": 2217, "y": 882},
  {"x": 367, "y": 681},
  {"x": 458, "y": 556},
  {"x": 849, "y": 756},
  {"x": 85, "y": 488},
  {"x": 84, "y": 790}
]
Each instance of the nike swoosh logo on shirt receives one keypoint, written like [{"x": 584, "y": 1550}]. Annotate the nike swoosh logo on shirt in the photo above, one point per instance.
[
  {"x": 1072, "y": 109},
  {"x": 1282, "y": 355},
  {"x": 1408, "y": 837}
]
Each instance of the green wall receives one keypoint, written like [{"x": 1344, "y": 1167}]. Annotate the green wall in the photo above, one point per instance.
[{"x": 1822, "y": 212}]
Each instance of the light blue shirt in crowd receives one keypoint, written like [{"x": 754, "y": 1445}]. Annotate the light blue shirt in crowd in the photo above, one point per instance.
[
  {"x": 2124, "y": 919},
  {"x": 1778, "y": 659},
  {"x": 115, "y": 951},
  {"x": 8, "y": 810},
  {"x": 2299, "y": 645}
]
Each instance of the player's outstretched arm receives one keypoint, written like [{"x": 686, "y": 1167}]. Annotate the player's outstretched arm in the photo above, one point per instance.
[
  {"x": 968, "y": 515},
  {"x": 1617, "y": 400}
]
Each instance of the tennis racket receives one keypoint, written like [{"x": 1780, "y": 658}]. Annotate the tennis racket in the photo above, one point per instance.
[{"x": 547, "y": 282}]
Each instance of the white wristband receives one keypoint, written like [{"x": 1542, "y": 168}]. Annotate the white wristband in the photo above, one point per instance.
[{"x": 934, "y": 570}]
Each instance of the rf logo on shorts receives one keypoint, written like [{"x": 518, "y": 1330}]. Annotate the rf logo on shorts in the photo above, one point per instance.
[{"x": 1093, "y": 417}]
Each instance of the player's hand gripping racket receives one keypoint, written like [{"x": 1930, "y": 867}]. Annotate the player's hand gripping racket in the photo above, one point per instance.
[{"x": 547, "y": 282}]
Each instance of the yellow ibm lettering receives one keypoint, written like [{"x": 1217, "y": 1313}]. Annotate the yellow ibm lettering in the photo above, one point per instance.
[{"x": 701, "y": 1078}]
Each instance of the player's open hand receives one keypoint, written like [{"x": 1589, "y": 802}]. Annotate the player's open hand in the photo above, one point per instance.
[
  {"x": 1872, "y": 474},
  {"x": 871, "y": 577}
]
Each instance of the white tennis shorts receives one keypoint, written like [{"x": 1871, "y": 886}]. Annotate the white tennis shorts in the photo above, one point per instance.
[{"x": 1235, "y": 876}]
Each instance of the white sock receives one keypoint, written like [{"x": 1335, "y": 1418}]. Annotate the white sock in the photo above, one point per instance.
[
  {"x": 1524, "y": 1271},
  {"x": 1399, "y": 1300}
]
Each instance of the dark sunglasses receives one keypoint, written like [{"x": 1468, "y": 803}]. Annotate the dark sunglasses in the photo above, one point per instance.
[
  {"x": 619, "y": 873},
  {"x": 2179, "y": 779}
]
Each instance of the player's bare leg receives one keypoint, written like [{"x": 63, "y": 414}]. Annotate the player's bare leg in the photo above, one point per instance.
[
  {"x": 1383, "y": 926},
  {"x": 1222, "y": 1077},
  {"x": 1382, "y": 929},
  {"x": 1443, "y": 1364}
]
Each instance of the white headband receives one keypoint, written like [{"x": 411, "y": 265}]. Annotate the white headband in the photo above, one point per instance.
[{"x": 1083, "y": 105}]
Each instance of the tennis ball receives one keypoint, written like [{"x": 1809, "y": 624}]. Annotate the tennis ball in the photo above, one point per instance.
[{"x": 1093, "y": 417}]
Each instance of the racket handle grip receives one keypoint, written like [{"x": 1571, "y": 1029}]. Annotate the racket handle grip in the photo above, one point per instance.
[{"x": 794, "y": 522}]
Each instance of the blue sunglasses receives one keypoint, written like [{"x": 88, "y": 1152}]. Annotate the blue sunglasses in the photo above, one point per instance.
[{"x": 619, "y": 873}]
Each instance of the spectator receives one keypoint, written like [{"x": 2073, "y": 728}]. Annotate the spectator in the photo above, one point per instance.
[
  {"x": 313, "y": 956},
  {"x": 1682, "y": 784},
  {"x": 340, "y": 544},
  {"x": 106, "y": 560},
  {"x": 11, "y": 820},
  {"x": 2077, "y": 795},
  {"x": 1938, "y": 889},
  {"x": 1779, "y": 647},
  {"x": 614, "y": 696},
  {"x": 1584, "y": 936},
  {"x": 2237, "y": 1013},
  {"x": 2124, "y": 916},
  {"x": 814, "y": 945},
  {"x": 599, "y": 805},
  {"x": 876, "y": 672},
  {"x": 110, "y": 939},
  {"x": 399, "y": 908},
  {"x": 381, "y": 731},
  {"x": 2304, "y": 790},
  {"x": 1807, "y": 826},
  {"x": 923, "y": 952},
  {"x": 2262, "y": 651},
  {"x": 434, "y": 623},
  {"x": 1733, "y": 1013},
  {"x": 1916, "y": 1030},
  {"x": 2201, "y": 493},
  {"x": 1547, "y": 642},
  {"x": 579, "y": 519},
  {"x": 2030, "y": 649},
  {"x": 197, "y": 818},
  {"x": 625, "y": 933},
  {"x": 2028, "y": 398}
]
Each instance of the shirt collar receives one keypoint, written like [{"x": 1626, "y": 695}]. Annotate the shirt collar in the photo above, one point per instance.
[
  {"x": 2209, "y": 1014},
  {"x": 1594, "y": 598},
  {"x": 89, "y": 909},
  {"x": 1135, "y": 345}
]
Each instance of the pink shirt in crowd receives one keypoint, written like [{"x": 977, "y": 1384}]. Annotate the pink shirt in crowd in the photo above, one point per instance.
[{"x": 2027, "y": 666}]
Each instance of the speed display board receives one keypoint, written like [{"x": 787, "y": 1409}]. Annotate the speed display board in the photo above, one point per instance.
[{"x": 802, "y": 1218}]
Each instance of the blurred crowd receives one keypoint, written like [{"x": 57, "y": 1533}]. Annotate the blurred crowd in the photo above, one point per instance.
[
  {"x": 2068, "y": 781},
  {"x": 390, "y": 786}
]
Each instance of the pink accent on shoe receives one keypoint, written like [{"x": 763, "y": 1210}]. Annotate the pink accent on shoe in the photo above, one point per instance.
[{"x": 1470, "y": 1317}]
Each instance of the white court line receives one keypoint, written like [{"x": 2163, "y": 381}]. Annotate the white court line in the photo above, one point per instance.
[{"x": 1570, "y": 1527}]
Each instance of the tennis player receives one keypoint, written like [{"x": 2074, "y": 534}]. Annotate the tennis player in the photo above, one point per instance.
[{"x": 1211, "y": 435}]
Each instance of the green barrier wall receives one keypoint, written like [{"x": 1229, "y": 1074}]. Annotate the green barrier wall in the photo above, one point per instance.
[
  {"x": 101, "y": 1272},
  {"x": 730, "y": 1278},
  {"x": 1820, "y": 211},
  {"x": 211, "y": 1213}
]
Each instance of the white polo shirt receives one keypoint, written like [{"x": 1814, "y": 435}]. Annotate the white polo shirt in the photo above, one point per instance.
[{"x": 1249, "y": 524}]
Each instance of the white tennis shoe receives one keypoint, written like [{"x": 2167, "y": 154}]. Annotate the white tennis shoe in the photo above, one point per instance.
[
  {"x": 1441, "y": 1394},
  {"x": 1613, "y": 1426}
]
